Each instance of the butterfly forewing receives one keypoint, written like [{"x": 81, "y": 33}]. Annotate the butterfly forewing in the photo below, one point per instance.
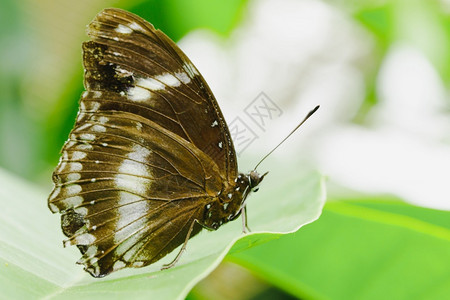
[
  {"x": 149, "y": 149},
  {"x": 163, "y": 79}
]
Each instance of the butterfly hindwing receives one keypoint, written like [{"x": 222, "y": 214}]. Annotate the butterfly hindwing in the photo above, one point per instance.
[{"x": 120, "y": 180}]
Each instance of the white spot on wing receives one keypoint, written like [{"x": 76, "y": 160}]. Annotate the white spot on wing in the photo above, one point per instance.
[
  {"x": 87, "y": 136},
  {"x": 183, "y": 77},
  {"x": 118, "y": 265},
  {"x": 123, "y": 72},
  {"x": 84, "y": 239},
  {"x": 69, "y": 143},
  {"x": 150, "y": 83},
  {"x": 73, "y": 201},
  {"x": 194, "y": 69},
  {"x": 138, "y": 94},
  {"x": 139, "y": 153},
  {"x": 123, "y": 29},
  {"x": 84, "y": 127},
  {"x": 138, "y": 264},
  {"x": 134, "y": 179},
  {"x": 53, "y": 207},
  {"x": 82, "y": 211},
  {"x": 214, "y": 124},
  {"x": 168, "y": 79},
  {"x": 78, "y": 155},
  {"x": 75, "y": 167},
  {"x": 73, "y": 189},
  {"x": 190, "y": 69},
  {"x": 84, "y": 147},
  {"x": 92, "y": 250},
  {"x": 80, "y": 115},
  {"x": 129, "y": 254},
  {"x": 134, "y": 174},
  {"x": 135, "y": 26},
  {"x": 220, "y": 145},
  {"x": 130, "y": 210},
  {"x": 103, "y": 120},
  {"x": 73, "y": 176},
  {"x": 134, "y": 168},
  {"x": 93, "y": 261},
  {"x": 98, "y": 128}
]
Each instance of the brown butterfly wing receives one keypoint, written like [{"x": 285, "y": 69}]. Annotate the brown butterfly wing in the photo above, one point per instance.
[
  {"x": 180, "y": 99},
  {"x": 149, "y": 148}
]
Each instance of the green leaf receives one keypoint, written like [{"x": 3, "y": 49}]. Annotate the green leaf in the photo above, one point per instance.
[
  {"x": 33, "y": 263},
  {"x": 361, "y": 250},
  {"x": 421, "y": 24}
]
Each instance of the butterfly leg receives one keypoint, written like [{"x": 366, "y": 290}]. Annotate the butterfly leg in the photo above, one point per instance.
[
  {"x": 245, "y": 228},
  {"x": 183, "y": 248}
]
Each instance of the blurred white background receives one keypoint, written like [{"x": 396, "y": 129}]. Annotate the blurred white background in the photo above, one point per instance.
[{"x": 306, "y": 52}]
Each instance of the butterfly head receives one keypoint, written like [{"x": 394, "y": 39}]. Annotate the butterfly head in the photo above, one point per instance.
[{"x": 254, "y": 179}]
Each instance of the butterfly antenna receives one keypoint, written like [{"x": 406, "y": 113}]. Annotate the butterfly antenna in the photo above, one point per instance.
[{"x": 295, "y": 129}]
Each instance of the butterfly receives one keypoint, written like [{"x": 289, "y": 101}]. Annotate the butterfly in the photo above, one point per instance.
[{"x": 150, "y": 161}]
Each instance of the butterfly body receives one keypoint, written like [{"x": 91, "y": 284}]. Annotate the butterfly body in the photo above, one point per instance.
[
  {"x": 227, "y": 205},
  {"x": 150, "y": 161}
]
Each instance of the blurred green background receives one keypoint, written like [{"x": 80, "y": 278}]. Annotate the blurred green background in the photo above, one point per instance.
[{"x": 380, "y": 70}]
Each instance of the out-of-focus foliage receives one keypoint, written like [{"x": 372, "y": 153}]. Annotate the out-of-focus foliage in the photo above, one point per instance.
[
  {"x": 365, "y": 249},
  {"x": 423, "y": 24},
  {"x": 17, "y": 131}
]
